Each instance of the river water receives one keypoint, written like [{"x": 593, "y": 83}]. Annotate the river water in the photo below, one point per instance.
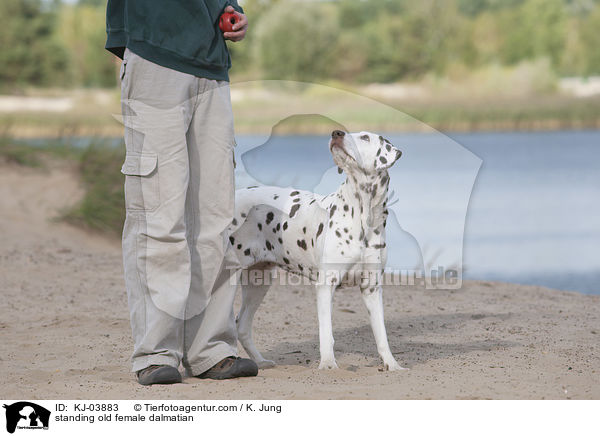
[{"x": 517, "y": 207}]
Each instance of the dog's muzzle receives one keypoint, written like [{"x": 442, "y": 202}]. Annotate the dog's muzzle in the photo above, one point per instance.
[{"x": 337, "y": 139}]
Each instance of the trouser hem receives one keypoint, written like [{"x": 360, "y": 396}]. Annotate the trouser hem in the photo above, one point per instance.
[
  {"x": 219, "y": 354},
  {"x": 146, "y": 361}
]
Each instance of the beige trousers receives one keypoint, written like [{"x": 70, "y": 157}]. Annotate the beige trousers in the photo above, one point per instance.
[{"x": 179, "y": 195}]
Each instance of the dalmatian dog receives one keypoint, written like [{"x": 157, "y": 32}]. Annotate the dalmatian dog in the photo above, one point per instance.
[{"x": 325, "y": 238}]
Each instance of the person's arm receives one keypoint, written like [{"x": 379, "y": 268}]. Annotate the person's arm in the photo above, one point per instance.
[{"x": 239, "y": 28}]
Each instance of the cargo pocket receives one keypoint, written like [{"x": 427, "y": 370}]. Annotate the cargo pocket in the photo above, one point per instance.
[{"x": 141, "y": 181}]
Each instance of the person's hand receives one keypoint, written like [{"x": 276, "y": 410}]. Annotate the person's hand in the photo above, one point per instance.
[{"x": 239, "y": 28}]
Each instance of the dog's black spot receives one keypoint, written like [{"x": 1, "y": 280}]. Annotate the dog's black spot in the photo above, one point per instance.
[
  {"x": 280, "y": 240},
  {"x": 330, "y": 224},
  {"x": 268, "y": 245},
  {"x": 312, "y": 242},
  {"x": 251, "y": 187},
  {"x": 247, "y": 252},
  {"x": 319, "y": 230},
  {"x": 381, "y": 140},
  {"x": 234, "y": 222},
  {"x": 388, "y": 147},
  {"x": 346, "y": 229},
  {"x": 362, "y": 234},
  {"x": 287, "y": 262},
  {"x": 352, "y": 212},
  {"x": 270, "y": 217},
  {"x": 347, "y": 242},
  {"x": 296, "y": 200},
  {"x": 302, "y": 243},
  {"x": 384, "y": 180},
  {"x": 232, "y": 240},
  {"x": 383, "y": 159},
  {"x": 350, "y": 236},
  {"x": 300, "y": 267},
  {"x": 275, "y": 197},
  {"x": 312, "y": 201},
  {"x": 376, "y": 231},
  {"x": 285, "y": 225},
  {"x": 294, "y": 193},
  {"x": 378, "y": 152},
  {"x": 369, "y": 290},
  {"x": 304, "y": 230},
  {"x": 294, "y": 209},
  {"x": 332, "y": 210},
  {"x": 278, "y": 226},
  {"x": 346, "y": 208},
  {"x": 259, "y": 226},
  {"x": 274, "y": 230},
  {"x": 243, "y": 215},
  {"x": 338, "y": 234}
]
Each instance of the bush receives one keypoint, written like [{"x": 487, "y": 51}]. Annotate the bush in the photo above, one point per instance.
[
  {"x": 31, "y": 54},
  {"x": 103, "y": 205},
  {"x": 297, "y": 42}
]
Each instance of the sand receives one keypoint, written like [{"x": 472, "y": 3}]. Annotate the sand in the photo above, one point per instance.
[{"x": 66, "y": 335}]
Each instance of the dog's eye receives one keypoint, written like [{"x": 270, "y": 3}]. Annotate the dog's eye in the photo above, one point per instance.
[{"x": 365, "y": 138}]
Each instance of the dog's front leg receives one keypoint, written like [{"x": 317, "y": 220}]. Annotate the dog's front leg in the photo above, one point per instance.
[
  {"x": 373, "y": 298},
  {"x": 324, "y": 302}
]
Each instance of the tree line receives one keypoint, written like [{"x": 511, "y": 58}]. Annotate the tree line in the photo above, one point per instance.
[{"x": 49, "y": 43}]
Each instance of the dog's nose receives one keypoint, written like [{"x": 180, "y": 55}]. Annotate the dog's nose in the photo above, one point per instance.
[{"x": 337, "y": 134}]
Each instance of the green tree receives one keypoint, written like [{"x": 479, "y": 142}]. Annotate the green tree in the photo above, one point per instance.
[
  {"x": 538, "y": 28},
  {"x": 82, "y": 30},
  {"x": 297, "y": 42},
  {"x": 425, "y": 38},
  {"x": 590, "y": 37},
  {"x": 31, "y": 54}
]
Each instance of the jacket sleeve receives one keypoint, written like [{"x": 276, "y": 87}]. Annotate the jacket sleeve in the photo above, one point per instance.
[{"x": 235, "y": 5}]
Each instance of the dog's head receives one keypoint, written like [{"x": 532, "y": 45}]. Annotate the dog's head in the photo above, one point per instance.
[{"x": 366, "y": 152}]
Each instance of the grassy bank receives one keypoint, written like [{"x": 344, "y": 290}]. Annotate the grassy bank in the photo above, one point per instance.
[
  {"x": 258, "y": 109},
  {"x": 102, "y": 208}
]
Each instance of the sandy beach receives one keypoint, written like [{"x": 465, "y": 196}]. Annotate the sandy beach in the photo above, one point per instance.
[{"x": 66, "y": 335}]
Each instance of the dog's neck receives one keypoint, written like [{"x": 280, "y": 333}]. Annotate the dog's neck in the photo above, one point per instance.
[{"x": 367, "y": 194}]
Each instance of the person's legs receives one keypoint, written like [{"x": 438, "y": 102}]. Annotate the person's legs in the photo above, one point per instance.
[
  {"x": 157, "y": 108},
  {"x": 210, "y": 333}
]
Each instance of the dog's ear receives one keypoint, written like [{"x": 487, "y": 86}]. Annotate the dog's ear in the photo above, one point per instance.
[{"x": 386, "y": 158}]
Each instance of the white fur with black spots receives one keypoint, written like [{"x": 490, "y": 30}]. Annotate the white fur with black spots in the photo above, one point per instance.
[{"x": 329, "y": 239}]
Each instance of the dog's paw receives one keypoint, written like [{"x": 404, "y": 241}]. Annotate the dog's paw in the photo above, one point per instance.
[
  {"x": 262, "y": 364},
  {"x": 328, "y": 364},
  {"x": 393, "y": 366}
]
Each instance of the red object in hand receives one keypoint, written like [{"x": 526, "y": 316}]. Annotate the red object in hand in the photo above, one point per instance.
[{"x": 227, "y": 20}]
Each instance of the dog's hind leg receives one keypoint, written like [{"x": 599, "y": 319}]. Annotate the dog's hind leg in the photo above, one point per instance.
[
  {"x": 252, "y": 296},
  {"x": 372, "y": 296}
]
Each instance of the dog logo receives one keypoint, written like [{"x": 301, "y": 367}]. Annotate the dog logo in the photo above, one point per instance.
[{"x": 25, "y": 415}]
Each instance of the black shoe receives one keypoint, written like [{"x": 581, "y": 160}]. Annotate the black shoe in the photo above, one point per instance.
[
  {"x": 158, "y": 375},
  {"x": 231, "y": 367}
]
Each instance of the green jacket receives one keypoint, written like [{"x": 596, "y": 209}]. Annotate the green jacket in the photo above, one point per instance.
[{"x": 183, "y": 35}]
